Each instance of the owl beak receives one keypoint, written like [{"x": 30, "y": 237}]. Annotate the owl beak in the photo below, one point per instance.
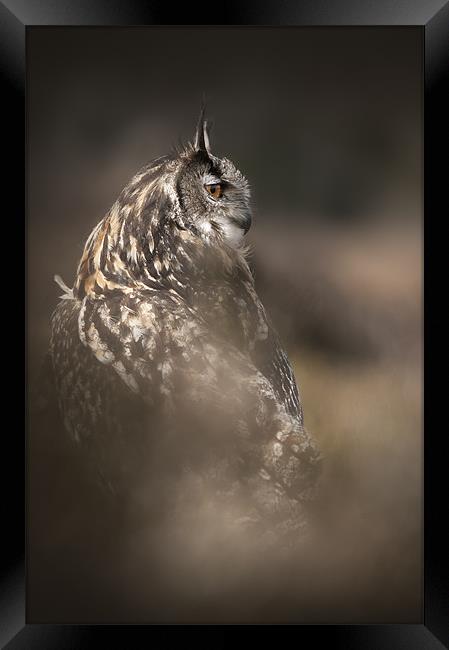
[{"x": 246, "y": 224}]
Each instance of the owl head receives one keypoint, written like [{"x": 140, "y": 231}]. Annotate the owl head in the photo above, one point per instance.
[
  {"x": 175, "y": 213},
  {"x": 213, "y": 194}
]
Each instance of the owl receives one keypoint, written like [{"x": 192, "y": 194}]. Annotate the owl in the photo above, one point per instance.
[{"x": 167, "y": 370}]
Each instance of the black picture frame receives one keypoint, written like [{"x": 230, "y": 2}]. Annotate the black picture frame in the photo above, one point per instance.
[{"x": 16, "y": 17}]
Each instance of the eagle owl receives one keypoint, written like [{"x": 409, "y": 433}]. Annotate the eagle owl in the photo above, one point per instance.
[{"x": 165, "y": 362}]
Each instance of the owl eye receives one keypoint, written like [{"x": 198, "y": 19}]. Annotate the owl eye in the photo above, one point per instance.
[{"x": 214, "y": 189}]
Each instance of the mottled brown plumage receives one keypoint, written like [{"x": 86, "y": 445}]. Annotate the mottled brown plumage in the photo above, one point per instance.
[{"x": 165, "y": 362}]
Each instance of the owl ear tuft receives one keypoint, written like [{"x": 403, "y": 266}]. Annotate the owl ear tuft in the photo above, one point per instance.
[{"x": 202, "y": 134}]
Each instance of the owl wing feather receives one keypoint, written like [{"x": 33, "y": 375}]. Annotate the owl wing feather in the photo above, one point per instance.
[{"x": 271, "y": 359}]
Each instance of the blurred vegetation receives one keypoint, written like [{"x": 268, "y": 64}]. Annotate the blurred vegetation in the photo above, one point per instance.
[{"x": 349, "y": 306}]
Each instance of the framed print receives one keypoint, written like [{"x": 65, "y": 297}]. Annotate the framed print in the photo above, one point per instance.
[{"x": 226, "y": 229}]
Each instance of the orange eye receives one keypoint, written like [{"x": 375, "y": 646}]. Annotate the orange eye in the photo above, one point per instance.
[{"x": 215, "y": 190}]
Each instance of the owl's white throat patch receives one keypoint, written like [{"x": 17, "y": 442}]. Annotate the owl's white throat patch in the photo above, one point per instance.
[{"x": 232, "y": 233}]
